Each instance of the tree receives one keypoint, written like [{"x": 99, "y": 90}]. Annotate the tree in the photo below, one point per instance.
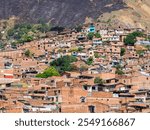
[
  {"x": 98, "y": 80},
  {"x": 64, "y": 63},
  {"x": 27, "y": 32},
  {"x": 137, "y": 34},
  {"x": 80, "y": 49},
  {"x": 97, "y": 35},
  {"x": 27, "y": 38},
  {"x": 131, "y": 38},
  {"x": 122, "y": 52},
  {"x": 51, "y": 71},
  {"x": 96, "y": 55},
  {"x": 78, "y": 28},
  {"x": 119, "y": 70},
  {"x": 44, "y": 27},
  {"x": 27, "y": 53},
  {"x": 90, "y": 35},
  {"x": 2, "y": 45},
  {"x": 140, "y": 52},
  {"x": 89, "y": 61}
]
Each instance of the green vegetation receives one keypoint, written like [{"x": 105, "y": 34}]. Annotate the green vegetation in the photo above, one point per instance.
[
  {"x": 89, "y": 61},
  {"x": 51, "y": 71},
  {"x": 131, "y": 38},
  {"x": 119, "y": 70},
  {"x": 43, "y": 27},
  {"x": 97, "y": 35},
  {"x": 140, "y": 52},
  {"x": 148, "y": 47},
  {"x": 27, "y": 32},
  {"x": 91, "y": 35},
  {"x": 83, "y": 68},
  {"x": 104, "y": 57},
  {"x": 28, "y": 53},
  {"x": 78, "y": 28},
  {"x": 1, "y": 45},
  {"x": 80, "y": 49},
  {"x": 73, "y": 49},
  {"x": 64, "y": 64},
  {"x": 109, "y": 20},
  {"x": 122, "y": 52},
  {"x": 98, "y": 80},
  {"x": 97, "y": 55},
  {"x": 147, "y": 38}
]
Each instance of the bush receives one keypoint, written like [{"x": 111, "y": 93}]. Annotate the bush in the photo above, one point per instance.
[
  {"x": 64, "y": 63},
  {"x": 119, "y": 70},
  {"x": 2, "y": 45},
  {"x": 90, "y": 35},
  {"x": 140, "y": 52},
  {"x": 48, "y": 73},
  {"x": 96, "y": 55},
  {"x": 28, "y": 53},
  {"x": 26, "y": 32},
  {"x": 98, "y": 80},
  {"x": 97, "y": 35},
  {"x": 122, "y": 51},
  {"x": 89, "y": 61},
  {"x": 131, "y": 38}
]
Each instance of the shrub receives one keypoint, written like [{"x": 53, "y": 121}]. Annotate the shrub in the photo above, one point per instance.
[
  {"x": 63, "y": 64},
  {"x": 122, "y": 51},
  {"x": 98, "y": 80},
  {"x": 48, "y": 73},
  {"x": 131, "y": 38},
  {"x": 89, "y": 61}
]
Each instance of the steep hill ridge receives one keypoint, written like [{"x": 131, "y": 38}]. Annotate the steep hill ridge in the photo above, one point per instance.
[{"x": 59, "y": 12}]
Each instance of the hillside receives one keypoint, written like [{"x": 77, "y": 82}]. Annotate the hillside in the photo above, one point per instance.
[
  {"x": 59, "y": 12},
  {"x": 136, "y": 14}
]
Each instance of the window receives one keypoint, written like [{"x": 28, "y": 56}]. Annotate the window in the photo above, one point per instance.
[
  {"x": 85, "y": 87},
  {"x": 43, "y": 88},
  {"x": 52, "y": 99},
  {"x": 82, "y": 99},
  {"x": 92, "y": 109},
  {"x": 52, "y": 81},
  {"x": 94, "y": 88}
]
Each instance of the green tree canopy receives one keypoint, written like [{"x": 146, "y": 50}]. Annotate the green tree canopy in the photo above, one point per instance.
[
  {"x": 97, "y": 35},
  {"x": 28, "y": 53},
  {"x": 98, "y": 80},
  {"x": 119, "y": 70},
  {"x": 90, "y": 35},
  {"x": 51, "y": 71},
  {"x": 131, "y": 38},
  {"x": 64, "y": 63},
  {"x": 89, "y": 61},
  {"x": 122, "y": 52}
]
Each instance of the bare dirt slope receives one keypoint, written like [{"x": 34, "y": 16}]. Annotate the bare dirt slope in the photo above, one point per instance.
[{"x": 136, "y": 14}]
